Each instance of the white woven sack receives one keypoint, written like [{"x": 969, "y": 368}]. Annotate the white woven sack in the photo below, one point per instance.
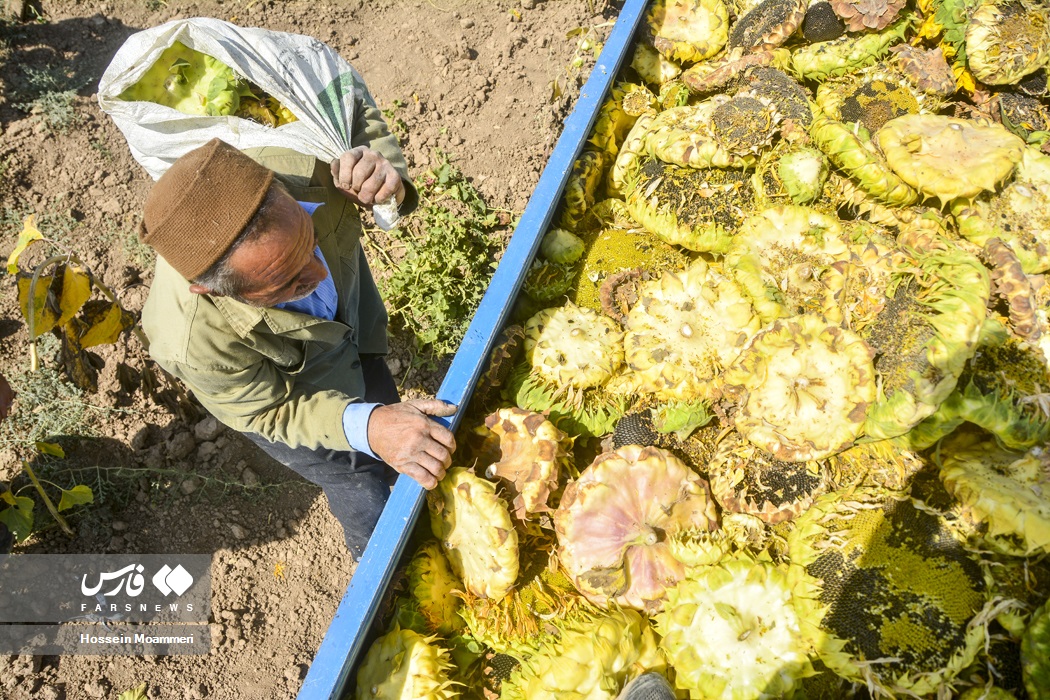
[{"x": 306, "y": 75}]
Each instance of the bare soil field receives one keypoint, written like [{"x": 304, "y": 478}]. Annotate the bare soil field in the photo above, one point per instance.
[{"x": 488, "y": 84}]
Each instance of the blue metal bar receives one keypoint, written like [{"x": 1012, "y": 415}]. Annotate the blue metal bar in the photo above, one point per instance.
[{"x": 342, "y": 644}]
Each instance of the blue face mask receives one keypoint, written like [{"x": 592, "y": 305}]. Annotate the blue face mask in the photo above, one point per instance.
[{"x": 310, "y": 207}]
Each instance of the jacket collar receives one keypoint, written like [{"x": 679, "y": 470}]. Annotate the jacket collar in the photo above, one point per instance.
[{"x": 244, "y": 317}]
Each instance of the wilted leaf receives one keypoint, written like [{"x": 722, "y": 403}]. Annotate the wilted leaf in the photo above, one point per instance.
[
  {"x": 43, "y": 318},
  {"x": 50, "y": 448},
  {"x": 138, "y": 693},
  {"x": 78, "y": 365},
  {"x": 19, "y": 516},
  {"x": 57, "y": 298},
  {"x": 76, "y": 496},
  {"x": 74, "y": 291},
  {"x": 556, "y": 91},
  {"x": 101, "y": 323},
  {"x": 964, "y": 78},
  {"x": 25, "y": 239}
]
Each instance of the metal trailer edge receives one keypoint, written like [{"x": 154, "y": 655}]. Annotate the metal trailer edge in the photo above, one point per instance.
[{"x": 342, "y": 644}]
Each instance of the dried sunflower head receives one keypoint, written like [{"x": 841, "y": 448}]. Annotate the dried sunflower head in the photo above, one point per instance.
[
  {"x": 861, "y": 15},
  {"x": 767, "y": 25},
  {"x": 1018, "y": 215},
  {"x": 589, "y": 657},
  {"x": 476, "y": 528},
  {"x": 684, "y": 136},
  {"x": 611, "y": 250},
  {"x": 882, "y": 464},
  {"x": 612, "y": 124},
  {"x": 791, "y": 99},
  {"x": 1007, "y": 39},
  {"x": 580, "y": 189},
  {"x": 850, "y": 148},
  {"x": 803, "y": 387},
  {"x": 803, "y": 172},
  {"x": 739, "y": 629},
  {"x": 542, "y": 601},
  {"x": 403, "y": 663},
  {"x": 927, "y": 69},
  {"x": 697, "y": 209},
  {"x": 1003, "y": 389},
  {"x": 431, "y": 583},
  {"x": 1008, "y": 490},
  {"x": 848, "y": 53},
  {"x": 897, "y": 583},
  {"x": 714, "y": 75},
  {"x": 533, "y": 456},
  {"x": 612, "y": 542},
  {"x": 947, "y": 158},
  {"x": 688, "y": 30},
  {"x": 684, "y": 329},
  {"x": 1013, "y": 286},
  {"x": 573, "y": 346},
  {"x": 628, "y": 161},
  {"x": 925, "y": 333},
  {"x": 821, "y": 23},
  {"x": 872, "y": 97},
  {"x": 785, "y": 258},
  {"x": 652, "y": 66},
  {"x": 746, "y": 479}
]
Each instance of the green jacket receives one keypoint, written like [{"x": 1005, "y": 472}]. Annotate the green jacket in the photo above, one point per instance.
[{"x": 281, "y": 374}]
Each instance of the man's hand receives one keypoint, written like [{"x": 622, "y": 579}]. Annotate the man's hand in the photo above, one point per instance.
[
  {"x": 402, "y": 435},
  {"x": 366, "y": 177}
]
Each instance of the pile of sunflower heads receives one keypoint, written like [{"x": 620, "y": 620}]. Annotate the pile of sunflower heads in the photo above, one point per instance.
[
  {"x": 774, "y": 419},
  {"x": 195, "y": 83}
]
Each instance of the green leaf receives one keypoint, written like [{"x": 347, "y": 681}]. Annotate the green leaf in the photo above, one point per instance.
[
  {"x": 19, "y": 516},
  {"x": 50, "y": 448},
  {"x": 76, "y": 496},
  {"x": 29, "y": 234},
  {"x": 681, "y": 417}
]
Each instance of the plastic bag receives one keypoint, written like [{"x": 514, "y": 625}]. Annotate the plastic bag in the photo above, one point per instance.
[{"x": 306, "y": 75}]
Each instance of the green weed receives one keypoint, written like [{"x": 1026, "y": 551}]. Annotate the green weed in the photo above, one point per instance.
[
  {"x": 58, "y": 222},
  {"x": 440, "y": 262},
  {"x": 397, "y": 125},
  {"x": 138, "y": 253},
  {"x": 46, "y": 406},
  {"x": 103, "y": 150},
  {"x": 49, "y": 94}
]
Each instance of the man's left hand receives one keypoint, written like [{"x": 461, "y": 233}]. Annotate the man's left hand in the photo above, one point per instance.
[{"x": 366, "y": 177}]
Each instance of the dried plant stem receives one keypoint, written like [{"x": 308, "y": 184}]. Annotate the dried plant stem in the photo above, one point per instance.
[{"x": 47, "y": 500}]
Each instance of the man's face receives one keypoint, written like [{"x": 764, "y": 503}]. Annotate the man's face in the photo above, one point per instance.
[{"x": 280, "y": 266}]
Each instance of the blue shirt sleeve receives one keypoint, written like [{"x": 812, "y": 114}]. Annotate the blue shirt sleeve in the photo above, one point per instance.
[{"x": 355, "y": 426}]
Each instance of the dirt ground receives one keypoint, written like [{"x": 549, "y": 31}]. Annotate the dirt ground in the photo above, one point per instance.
[{"x": 471, "y": 79}]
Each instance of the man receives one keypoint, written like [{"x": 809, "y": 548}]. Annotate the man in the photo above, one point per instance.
[{"x": 264, "y": 305}]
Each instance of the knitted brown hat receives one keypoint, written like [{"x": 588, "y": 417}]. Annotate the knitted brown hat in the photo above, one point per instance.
[{"x": 197, "y": 208}]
